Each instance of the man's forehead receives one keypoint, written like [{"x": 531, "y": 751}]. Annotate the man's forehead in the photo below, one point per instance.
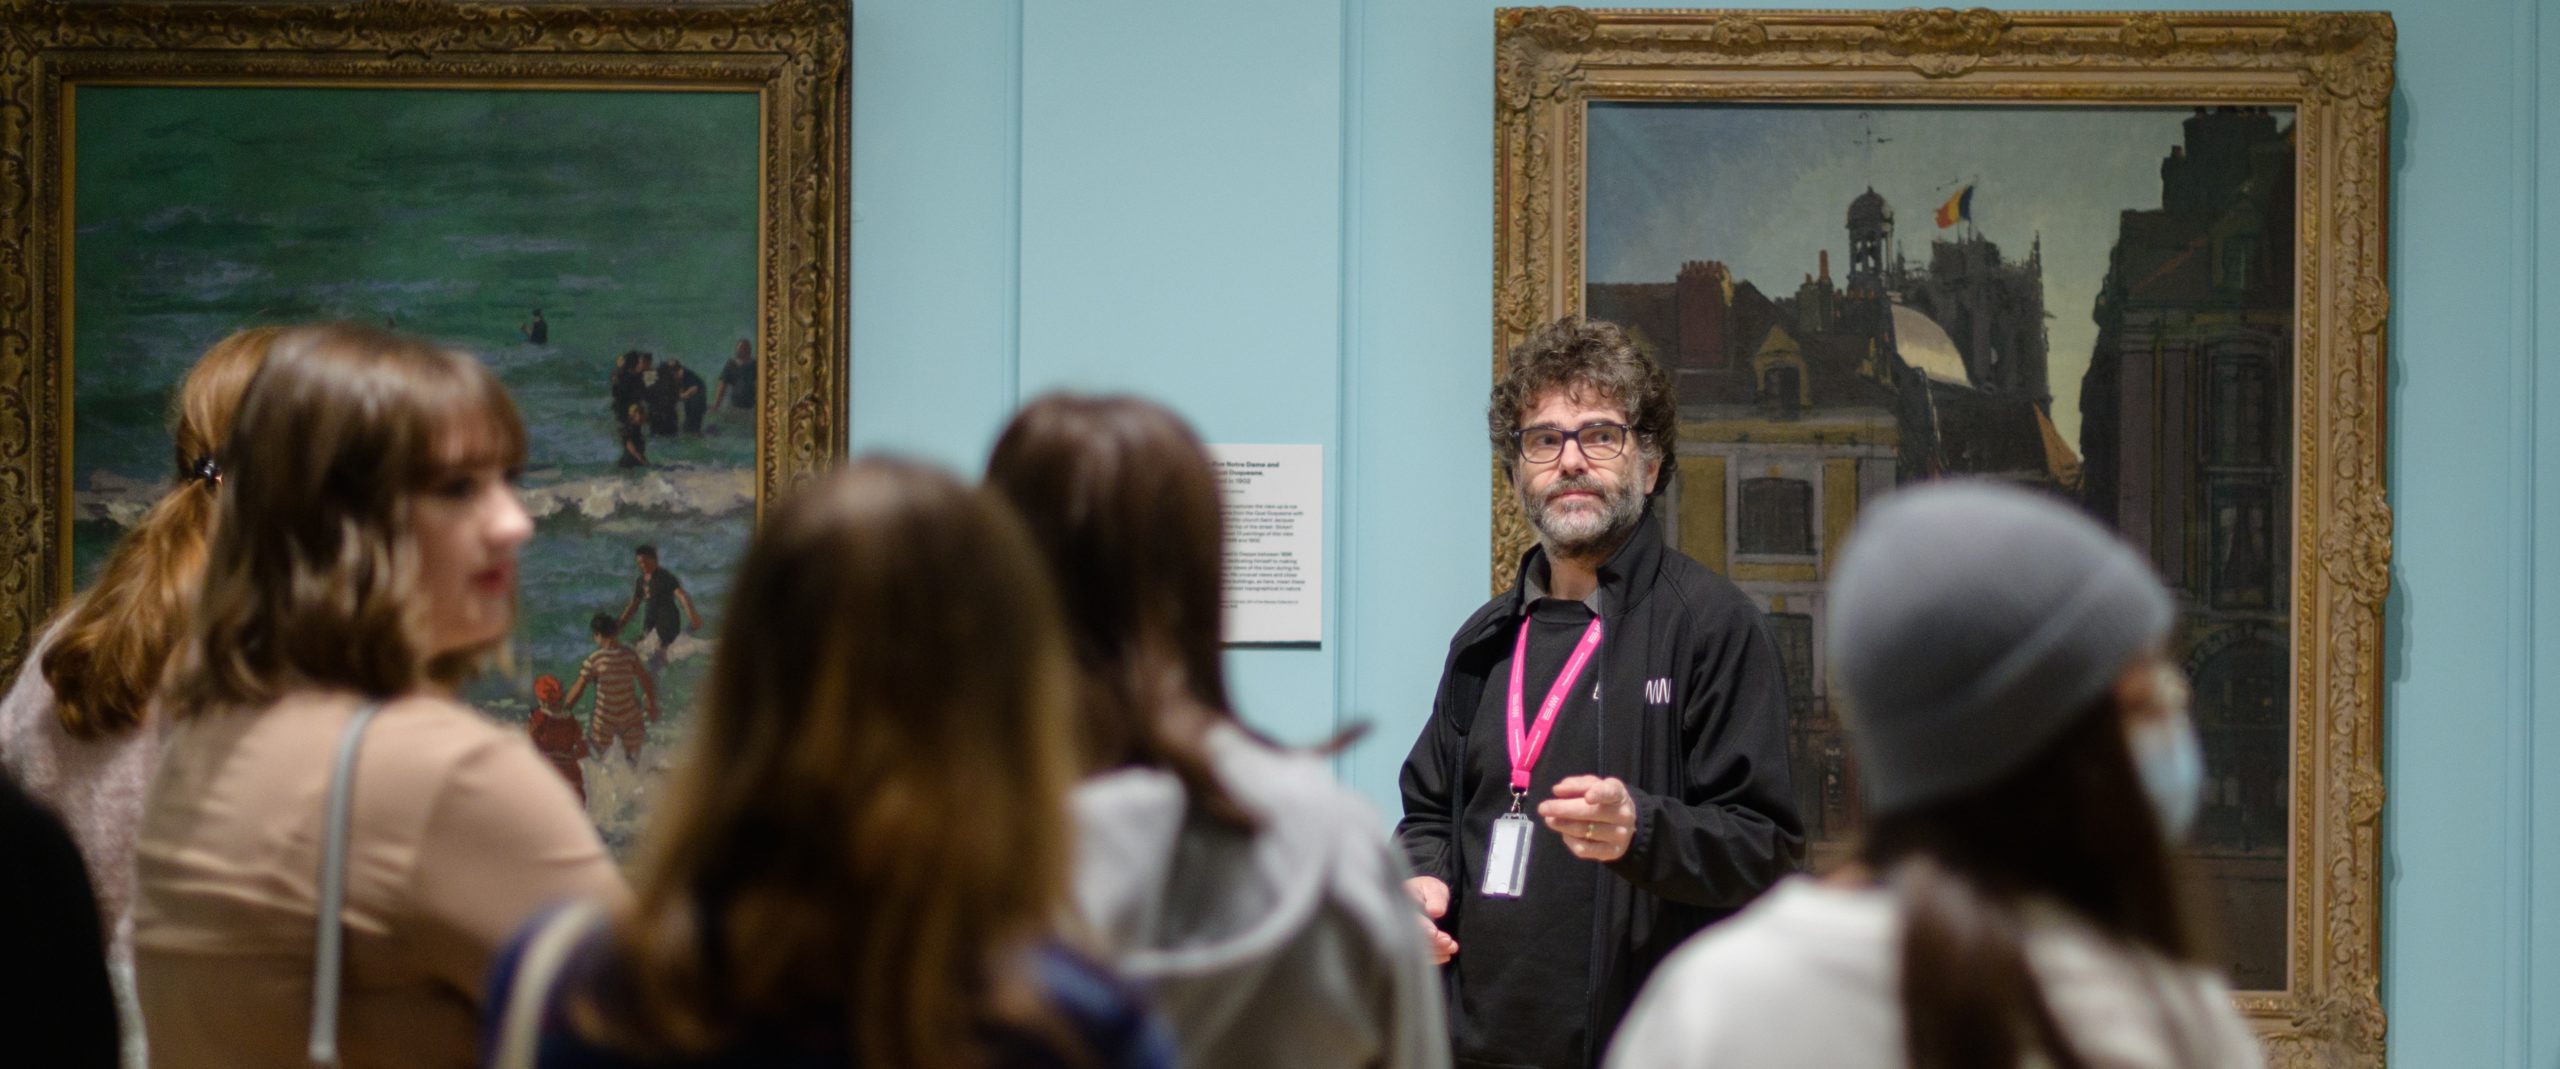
[{"x": 1579, "y": 404}]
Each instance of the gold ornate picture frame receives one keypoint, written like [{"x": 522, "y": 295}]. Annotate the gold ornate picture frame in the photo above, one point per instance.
[
  {"x": 2237, "y": 369},
  {"x": 557, "y": 187}
]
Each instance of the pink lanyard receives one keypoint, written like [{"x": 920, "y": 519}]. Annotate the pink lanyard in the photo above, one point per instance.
[{"x": 1527, "y": 742}]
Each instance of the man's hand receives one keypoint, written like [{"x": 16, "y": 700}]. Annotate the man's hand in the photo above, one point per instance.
[
  {"x": 1595, "y": 814},
  {"x": 1433, "y": 896}
]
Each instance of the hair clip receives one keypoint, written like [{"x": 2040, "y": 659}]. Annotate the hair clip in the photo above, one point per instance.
[{"x": 207, "y": 470}]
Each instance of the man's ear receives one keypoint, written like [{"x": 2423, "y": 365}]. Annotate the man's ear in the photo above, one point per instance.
[{"x": 1652, "y": 474}]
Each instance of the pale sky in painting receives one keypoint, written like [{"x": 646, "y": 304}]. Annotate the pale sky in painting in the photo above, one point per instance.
[{"x": 1765, "y": 187}]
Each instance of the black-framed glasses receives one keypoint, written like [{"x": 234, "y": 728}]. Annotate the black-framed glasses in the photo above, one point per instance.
[{"x": 1599, "y": 441}]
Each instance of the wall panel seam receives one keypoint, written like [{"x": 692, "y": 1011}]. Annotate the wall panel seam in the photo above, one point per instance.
[
  {"x": 1346, "y": 423},
  {"x": 2523, "y": 672},
  {"x": 1009, "y": 384}
]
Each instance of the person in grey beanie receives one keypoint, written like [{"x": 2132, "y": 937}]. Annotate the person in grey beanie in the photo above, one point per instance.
[{"x": 2029, "y": 768}]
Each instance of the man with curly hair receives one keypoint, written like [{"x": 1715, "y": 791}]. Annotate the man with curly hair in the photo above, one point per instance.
[{"x": 1605, "y": 768}]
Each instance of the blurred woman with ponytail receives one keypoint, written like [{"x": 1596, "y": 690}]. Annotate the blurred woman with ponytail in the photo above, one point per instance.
[
  {"x": 2029, "y": 767},
  {"x": 77, "y": 730},
  {"x": 333, "y": 846}
]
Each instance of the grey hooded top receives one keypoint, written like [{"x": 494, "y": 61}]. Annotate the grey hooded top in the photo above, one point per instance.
[{"x": 1292, "y": 945}]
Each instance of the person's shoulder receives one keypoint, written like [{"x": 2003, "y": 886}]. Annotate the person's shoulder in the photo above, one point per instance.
[
  {"x": 1701, "y": 593},
  {"x": 2106, "y": 991},
  {"x": 589, "y": 952},
  {"x": 437, "y": 730},
  {"x": 1800, "y": 929},
  {"x": 28, "y": 708},
  {"x": 1498, "y": 607},
  {"x": 1732, "y": 994},
  {"x": 1103, "y": 1010}
]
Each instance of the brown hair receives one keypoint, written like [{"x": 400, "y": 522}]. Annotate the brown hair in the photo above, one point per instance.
[
  {"x": 312, "y": 580},
  {"x": 1123, "y": 501},
  {"x": 2070, "y": 827},
  {"x": 871, "y": 825},
  {"x": 106, "y": 659},
  {"x": 1592, "y": 360}
]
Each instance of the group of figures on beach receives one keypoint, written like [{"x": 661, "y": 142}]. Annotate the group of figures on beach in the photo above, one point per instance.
[
  {"x": 659, "y": 398},
  {"x": 624, "y": 682},
  {"x": 653, "y": 398}
]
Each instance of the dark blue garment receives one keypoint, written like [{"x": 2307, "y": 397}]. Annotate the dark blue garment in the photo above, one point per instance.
[{"x": 1103, "y": 1014}]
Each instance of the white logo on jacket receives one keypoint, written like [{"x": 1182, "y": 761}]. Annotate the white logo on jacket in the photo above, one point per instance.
[{"x": 1658, "y": 691}]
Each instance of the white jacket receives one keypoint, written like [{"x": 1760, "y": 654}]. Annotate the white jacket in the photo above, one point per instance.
[{"x": 1810, "y": 976}]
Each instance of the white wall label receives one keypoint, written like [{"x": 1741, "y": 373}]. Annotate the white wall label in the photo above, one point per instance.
[{"x": 1275, "y": 541}]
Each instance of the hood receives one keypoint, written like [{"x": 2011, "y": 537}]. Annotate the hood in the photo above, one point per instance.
[{"x": 1172, "y": 893}]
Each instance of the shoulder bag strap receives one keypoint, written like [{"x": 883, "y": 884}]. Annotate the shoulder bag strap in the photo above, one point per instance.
[
  {"x": 520, "y": 1021},
  {"x": 329, "y": 939}
]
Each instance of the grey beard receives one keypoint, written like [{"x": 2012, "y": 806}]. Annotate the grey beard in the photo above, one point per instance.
[{"x": 1575, "y": 545}]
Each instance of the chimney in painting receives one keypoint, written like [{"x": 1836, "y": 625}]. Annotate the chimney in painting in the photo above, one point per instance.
[{"x": 1703, "y": 297}]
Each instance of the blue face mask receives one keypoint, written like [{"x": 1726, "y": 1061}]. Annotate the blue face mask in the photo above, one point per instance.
[{"x": 2169, "y": 758}]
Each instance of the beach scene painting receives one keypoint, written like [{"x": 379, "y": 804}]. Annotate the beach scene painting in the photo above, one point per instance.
[
  {"x": 2094, "y": 302},
  {"x": 597, "y": 248}
]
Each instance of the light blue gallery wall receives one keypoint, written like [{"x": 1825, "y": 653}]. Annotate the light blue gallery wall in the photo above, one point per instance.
[{"x": 1276, "y": 216}]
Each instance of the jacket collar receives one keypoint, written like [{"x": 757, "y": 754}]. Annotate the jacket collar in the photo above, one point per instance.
[{"x": 1624, "y": 578}]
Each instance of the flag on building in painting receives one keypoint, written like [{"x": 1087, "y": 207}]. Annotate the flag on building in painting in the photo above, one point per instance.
[{"x": 1957, "y": 209}]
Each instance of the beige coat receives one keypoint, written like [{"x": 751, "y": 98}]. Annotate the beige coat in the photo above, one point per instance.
[{"x": 460, "y": 833}]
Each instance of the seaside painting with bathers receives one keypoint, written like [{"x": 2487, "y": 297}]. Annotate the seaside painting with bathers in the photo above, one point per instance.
[{"x": 558, "y": 235}]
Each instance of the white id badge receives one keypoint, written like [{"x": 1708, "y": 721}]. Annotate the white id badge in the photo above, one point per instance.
[{"x": 1506, "y": 859}]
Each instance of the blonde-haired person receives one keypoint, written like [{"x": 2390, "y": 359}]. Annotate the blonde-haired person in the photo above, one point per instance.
[
  {"x": 1257, "y": 901},
  {"x": 364, "y": 556},
  {"x": 2029, "y": 767},
  {"x": 868, "y": 841},
  {"x": 76, "y": 729}
]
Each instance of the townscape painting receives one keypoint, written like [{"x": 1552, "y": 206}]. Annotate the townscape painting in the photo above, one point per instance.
[
  {"x": 2096, "y": 302},
  {"x": 632, "y": 215},
  {"x": 2131, "y": 261}
]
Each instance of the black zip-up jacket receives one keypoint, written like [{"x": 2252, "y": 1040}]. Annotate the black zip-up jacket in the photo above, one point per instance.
[{"x": 1693, "y": 717}]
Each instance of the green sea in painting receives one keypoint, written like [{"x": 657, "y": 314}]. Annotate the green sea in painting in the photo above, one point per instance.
[{"x": 629, "y": 218}]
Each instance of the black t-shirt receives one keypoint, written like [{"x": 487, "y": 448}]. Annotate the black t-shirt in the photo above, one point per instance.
[
  {"x": 657, "y": 591},
  {"x": 1524, "y": 964}
]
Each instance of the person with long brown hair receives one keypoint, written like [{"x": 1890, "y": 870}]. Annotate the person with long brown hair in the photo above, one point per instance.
[
  {"x": 77, "y": 730},
  {"x": 1255, "y": 899},
  {"x": 2028, "y": 766},
  {"x": 867, "y": 843},
  {"x": 363, "y": 565}
]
